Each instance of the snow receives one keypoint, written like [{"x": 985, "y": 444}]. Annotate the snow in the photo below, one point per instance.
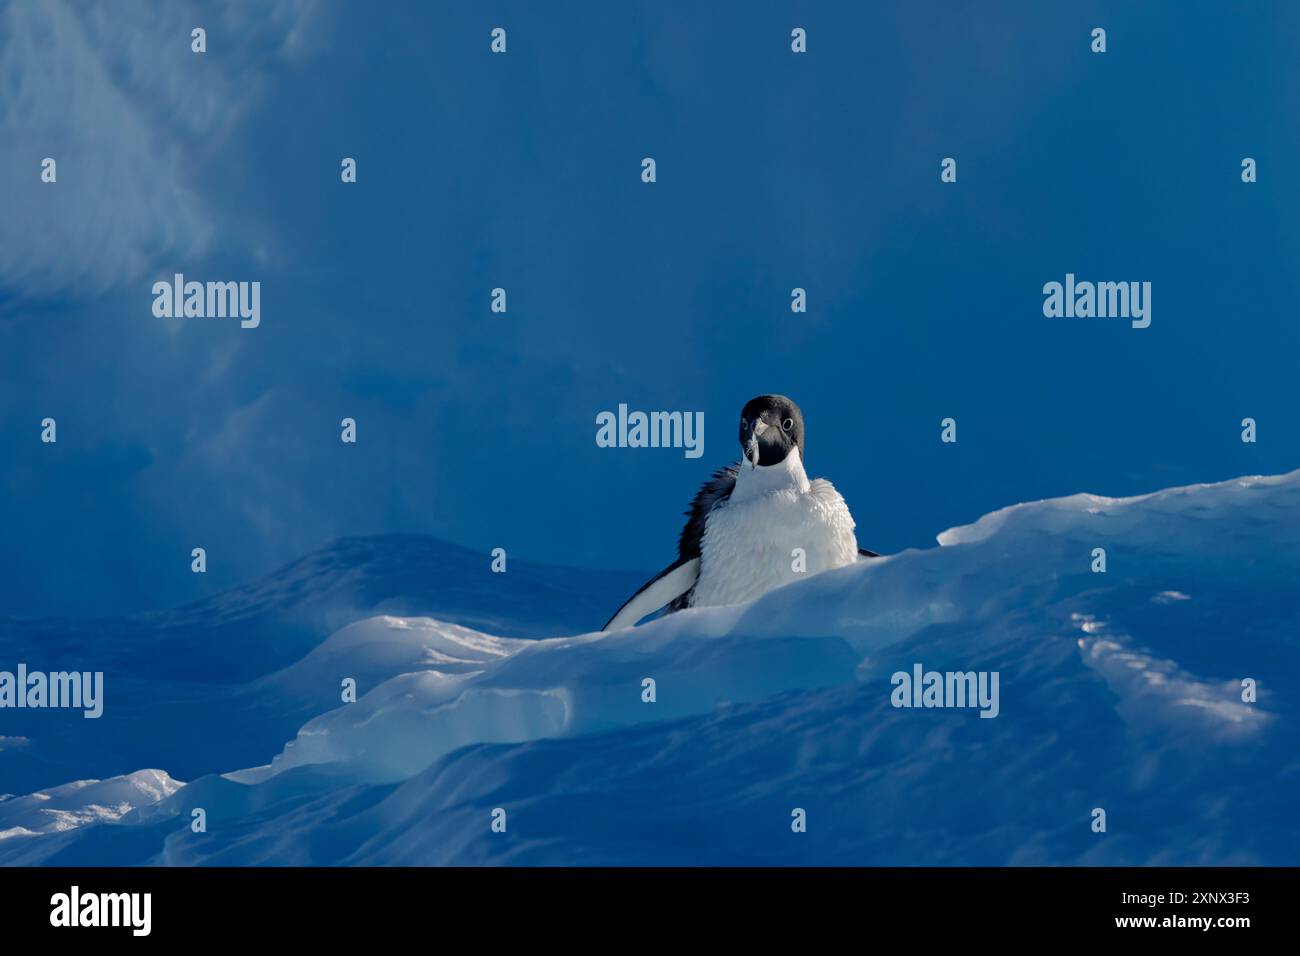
[
  {"x": 82, "y": 802},
  {"x": 1121, "y": 690},
  {"x": 224, "y": 682}
]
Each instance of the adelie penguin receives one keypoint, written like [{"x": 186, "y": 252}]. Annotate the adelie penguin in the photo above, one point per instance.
[{"x": 745, "y": 522}]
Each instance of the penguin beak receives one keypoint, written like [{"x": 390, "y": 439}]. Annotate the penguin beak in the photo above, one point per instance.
[
  {"x": 751, "y": 446},
  {"x": 752, "y": 453}
]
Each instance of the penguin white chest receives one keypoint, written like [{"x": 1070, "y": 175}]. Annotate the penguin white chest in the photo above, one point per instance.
[{"x": 774, "y": 529}]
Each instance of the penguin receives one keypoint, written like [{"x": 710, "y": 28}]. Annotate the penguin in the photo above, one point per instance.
[{"x": 745, "y": 522}]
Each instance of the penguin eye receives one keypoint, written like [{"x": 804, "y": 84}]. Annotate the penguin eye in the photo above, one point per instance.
[
  {"x": 743, "y": 424},
  {"x": 787, "y": 424}
]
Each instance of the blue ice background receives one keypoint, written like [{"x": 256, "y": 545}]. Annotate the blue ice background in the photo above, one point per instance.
[{"x": 522, "y": 171}]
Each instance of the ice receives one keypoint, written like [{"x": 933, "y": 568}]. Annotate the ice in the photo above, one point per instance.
[
  {"x": 224, "y": 682},
  {"x": 86, "y": 801},
  {"x": 528, "y": 690},
  {"x": 1128, "y": 690}
]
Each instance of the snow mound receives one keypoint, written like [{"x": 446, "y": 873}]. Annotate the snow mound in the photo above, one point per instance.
[
  {"x": 509, "y": 691},
  {"x": 1160, "y": 691},
  {"x": 83, "y": 802},
  {"x": 240, "y": 671}
]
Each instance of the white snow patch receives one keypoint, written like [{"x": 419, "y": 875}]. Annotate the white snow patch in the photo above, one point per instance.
[{"x": 82, "y": 802}]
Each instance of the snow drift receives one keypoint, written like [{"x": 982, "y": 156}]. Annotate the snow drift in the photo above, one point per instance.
[
  {"x": 85, "y": 801},
  {"x": 203, "y": 688},
  {"x": 1159, "y": 691}
]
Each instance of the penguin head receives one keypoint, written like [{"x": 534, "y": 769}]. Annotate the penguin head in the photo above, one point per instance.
[{"x": 770, "y": 426}]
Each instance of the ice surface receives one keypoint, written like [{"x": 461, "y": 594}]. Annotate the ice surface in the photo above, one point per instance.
[
  {"x": 222, "y": 683},
  {"x": 1120, "y": 691},
  {"x": 525, "y": 690},
  {"x": 85, "y": 801}
]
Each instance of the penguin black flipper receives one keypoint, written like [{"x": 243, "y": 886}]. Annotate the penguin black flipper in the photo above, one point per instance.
[
  {"x": 673, "y": 585},
  {"x": 666, "y": 587}
]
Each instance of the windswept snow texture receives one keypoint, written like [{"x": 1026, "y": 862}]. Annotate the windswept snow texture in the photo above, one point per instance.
[
  {"x": 1120, "y": 690},
  {"x": 86, "y": 801},
  {"x": 202, "y": 688}
]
